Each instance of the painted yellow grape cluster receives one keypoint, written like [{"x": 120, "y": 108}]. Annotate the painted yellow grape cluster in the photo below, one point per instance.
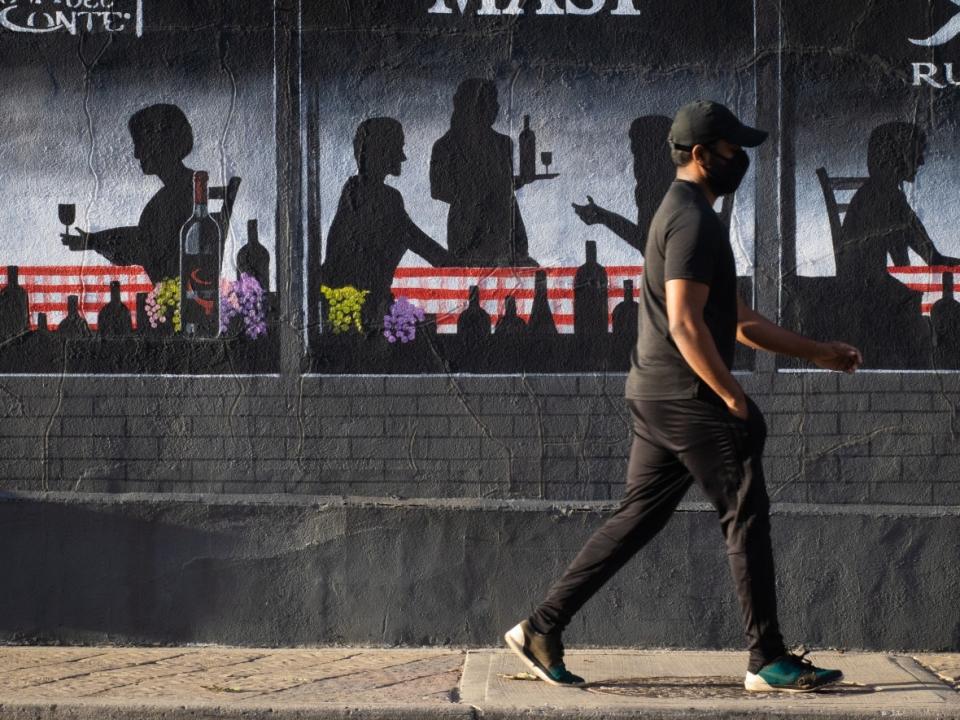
[
  {"x": 344, "y": 305},
  {"x": 165, "y": 295}
]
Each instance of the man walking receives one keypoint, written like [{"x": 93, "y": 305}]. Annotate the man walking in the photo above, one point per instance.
[{"x": 692, "y": 422}]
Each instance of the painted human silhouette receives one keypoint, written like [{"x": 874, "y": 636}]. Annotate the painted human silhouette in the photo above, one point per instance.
[
  {"x": 371, "y": 230},
  {"x": 653, "y": 171},
  {"x": 162, "y": 139},
  {"x": 880, "y": 220},
  {"x": 471, "y": 169},
  {"x": 878, "y": 223}
]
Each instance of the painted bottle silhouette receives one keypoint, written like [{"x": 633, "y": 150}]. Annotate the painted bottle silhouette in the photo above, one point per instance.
[
  {"x": 14, "y": 306},
  {"x": 253, "y": 258},
  {"x": 200, "y": 267},
  {"x": 945, "y": 319},
  {"x": 473, "y": 325},
  {"x": 528, "y": 150},
  {"x": 143, "y": 320},
  {"x": 626, "y": 314},
  {"x": 541, "y": 317},
  {"x": 44, "y": 346},
  {"x": 590, "y": 304},
  {"x": 511, "y": 324},
  {"x": 43, "y": 329},
  {"x": 113, "y": 319},
  {"x": 74, "y": 325}
]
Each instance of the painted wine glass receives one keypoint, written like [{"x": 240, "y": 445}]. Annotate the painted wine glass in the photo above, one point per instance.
[
  {"x": 547, "y": 159},
  {"x": 67, "y": 212}
]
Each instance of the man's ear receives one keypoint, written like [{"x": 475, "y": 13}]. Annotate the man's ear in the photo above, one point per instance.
[{"x": 700, "y": 153}]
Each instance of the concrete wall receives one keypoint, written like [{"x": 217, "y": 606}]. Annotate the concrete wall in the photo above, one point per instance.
[{"x": 288, "y": 571}]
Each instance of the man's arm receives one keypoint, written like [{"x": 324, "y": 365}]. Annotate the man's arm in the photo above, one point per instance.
[
  {"x": 118, "y": 245},
  {"x": 755, "y": 331},
  {"x": 921, "y": 243},
  {"x": 686, "y": 300},
  {"x": 422, "y": 244},
  {"x": 591, "y": 214}
]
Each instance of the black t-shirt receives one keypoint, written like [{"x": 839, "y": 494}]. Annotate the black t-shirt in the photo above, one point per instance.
[{"x": 687, "y": 241}]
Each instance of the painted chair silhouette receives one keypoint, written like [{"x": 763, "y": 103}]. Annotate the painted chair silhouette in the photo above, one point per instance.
[
  {"x": 227, "y": 194},
  {"x": 836, "y": 211},
  {"x": 909, "y": 346},
  {"x": 807, "y": 299}
]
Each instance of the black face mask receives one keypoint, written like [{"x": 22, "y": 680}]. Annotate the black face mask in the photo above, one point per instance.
[{"x": 724, "y": 175}]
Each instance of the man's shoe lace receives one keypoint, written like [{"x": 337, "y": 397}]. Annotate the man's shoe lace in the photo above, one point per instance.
[{"x": 808, "y": 678}]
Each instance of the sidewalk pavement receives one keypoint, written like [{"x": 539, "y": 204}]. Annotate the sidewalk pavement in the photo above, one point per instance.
[{"x": 106, "y": 683}]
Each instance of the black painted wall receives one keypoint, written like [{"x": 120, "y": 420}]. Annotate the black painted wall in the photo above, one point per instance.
[{"x": 877, "y": 438}]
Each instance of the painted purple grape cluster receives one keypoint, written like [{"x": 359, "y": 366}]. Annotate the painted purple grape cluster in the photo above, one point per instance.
[
  {"x": 401, "y": 323},
  {"x": 244, "y": 299}
]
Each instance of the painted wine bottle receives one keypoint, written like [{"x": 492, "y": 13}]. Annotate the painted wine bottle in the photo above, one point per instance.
[
  {"x": 200, "y": 266},
  {"x": 528, "y": 151},
  {"x": 253, "y": 258},
  {"x": 590, "y": 306},
  {"x": 541, "y": 316},
  {"x": 113, "y": 319},
  {"x": 473, "y": 325},
  {"x": 14, "y": 306}
]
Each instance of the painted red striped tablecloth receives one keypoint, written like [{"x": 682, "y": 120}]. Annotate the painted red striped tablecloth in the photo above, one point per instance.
[
  {"x": 443, "y": 291},
  {"x": 49, "y": 286},
  {"x": 439, "y": 291},
  {"x": 926, "y": 279}
]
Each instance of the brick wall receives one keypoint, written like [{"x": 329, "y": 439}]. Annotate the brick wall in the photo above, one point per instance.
[{"x": 871, "y": 438}]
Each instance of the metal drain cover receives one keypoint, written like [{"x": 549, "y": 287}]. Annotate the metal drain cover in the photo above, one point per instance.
[{"x": 705, "y": 687}]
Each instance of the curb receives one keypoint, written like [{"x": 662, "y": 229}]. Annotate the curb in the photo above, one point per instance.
[
  {"x": 452, "y": 712},
  {"x": 102, "y": 711},
  {"x": 105, "y": 711}
]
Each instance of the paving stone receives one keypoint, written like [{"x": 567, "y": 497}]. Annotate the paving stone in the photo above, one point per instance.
[
  {"x": 946, "y": 666},
  {"x": 705, "y": 683},
  {"x": 49, "y": 683},
  {"x": 229, "y": 676}
]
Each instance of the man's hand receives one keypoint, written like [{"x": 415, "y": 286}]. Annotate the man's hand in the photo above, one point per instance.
[
  {"x": 76, "y": 242},
  {"x": 591, "y": 213},
  {"x": 738, "y": 407},
  {"x": 837, "y": 356}
]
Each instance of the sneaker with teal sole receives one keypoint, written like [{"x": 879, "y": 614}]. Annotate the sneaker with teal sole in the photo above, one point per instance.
[
  {"x": 792, "y": 674},
  {"x": 543, "y": 654}
]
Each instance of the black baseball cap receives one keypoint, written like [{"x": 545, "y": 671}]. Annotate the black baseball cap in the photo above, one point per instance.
[{"x": 704, "y": 122}]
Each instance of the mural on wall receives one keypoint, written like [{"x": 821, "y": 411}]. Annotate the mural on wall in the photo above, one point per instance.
[
  {"x": 480, "y": 175},
  {"x": 139, "y": 177},
  {"x": 873, "y": 140}
]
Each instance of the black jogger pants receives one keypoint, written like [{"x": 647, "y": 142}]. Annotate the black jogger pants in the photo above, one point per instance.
[{"x": 677, "y": 442}]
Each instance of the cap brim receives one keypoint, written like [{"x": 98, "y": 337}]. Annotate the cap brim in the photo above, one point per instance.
[{"x": 747, "y": 136}]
